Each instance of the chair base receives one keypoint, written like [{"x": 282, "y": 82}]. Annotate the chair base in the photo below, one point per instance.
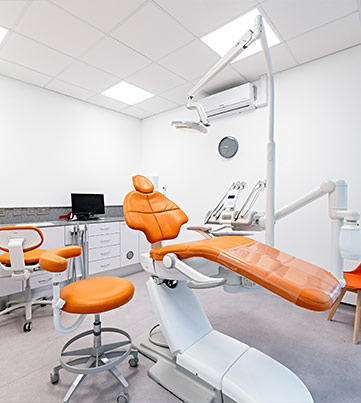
[
  {"x": 27, "y": 304},
  {"x": 96, "y": 359}
]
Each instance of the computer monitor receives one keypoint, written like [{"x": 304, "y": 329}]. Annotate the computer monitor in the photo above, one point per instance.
[{"x": 85, "y": 206}]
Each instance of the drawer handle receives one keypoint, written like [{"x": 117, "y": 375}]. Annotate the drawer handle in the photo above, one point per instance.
[
  {"x": 105, "y": 253},
  {"x": 105, "y": 265},
  {"x": 44, "y": 281},
  {"x": 104, "y": 228},
  {"x": 105, "y": 241}
]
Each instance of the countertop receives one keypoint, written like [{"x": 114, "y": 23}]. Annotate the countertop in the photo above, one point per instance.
[{"x": 58, "y": 223}]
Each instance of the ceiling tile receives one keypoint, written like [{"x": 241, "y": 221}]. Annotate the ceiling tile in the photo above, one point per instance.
[
  {"x": 327, "y": 39},
  {"x": 156, "y": 105},
  {"x": 136, "y": 113},
  {"x": 115, "y": 58},
  {"x": 28, "y": 53},
  {"x": 191, "y": 61},
  {"x": 97, "y": 13},
  {"x": 52, "y": 26},
  {"x": 152, "y": 32},
  {"x": 227, "y": 78},
  {"x": 204, "y": 16},
  {"x": 10, "y": 10},
  {"x": 252, "y": 67},
  {"x": 88, "y": 77},
  {"x": 294, "y": 17},
  {"x": 69, "y": 89},
  {"x": 178, "y": 94},
  {"x": 21, "y": 73},
  {"x": 107, "y": 102},
  {"x": 155, "y": 79}
]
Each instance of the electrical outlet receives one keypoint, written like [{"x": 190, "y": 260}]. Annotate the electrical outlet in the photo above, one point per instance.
[
  {"x": 2, "y": 212},
  {"x": 43, "y": 211},
  {"x": 30, "y": 211},
  {"x": 17, "y": 211}
]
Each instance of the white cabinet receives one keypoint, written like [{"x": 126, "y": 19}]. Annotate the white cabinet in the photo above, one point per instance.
[
  {"x": 129, "y": 245},
  {"x": 53, "y": 238},
  {"x": 103, "y": 246},
  {"x": 144, "y": 245},
  {"x": 8, "y": 285}
]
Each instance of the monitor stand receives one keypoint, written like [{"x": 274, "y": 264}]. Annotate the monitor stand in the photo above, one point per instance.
[{"x": 86, "y": 217}]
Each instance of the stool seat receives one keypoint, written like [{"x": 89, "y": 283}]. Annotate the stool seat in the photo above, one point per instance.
[
  {"x": 96, "y": 295},
  {"x": 31, "y": 257}
]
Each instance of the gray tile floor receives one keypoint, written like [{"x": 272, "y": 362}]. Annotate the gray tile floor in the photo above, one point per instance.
[{"x": 321, "y": 353}]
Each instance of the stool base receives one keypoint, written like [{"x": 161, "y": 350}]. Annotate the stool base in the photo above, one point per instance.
[{"x": 99, "y": 358}]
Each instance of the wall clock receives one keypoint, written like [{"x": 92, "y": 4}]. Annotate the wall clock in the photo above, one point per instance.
[{"x": 228, "y": 147}]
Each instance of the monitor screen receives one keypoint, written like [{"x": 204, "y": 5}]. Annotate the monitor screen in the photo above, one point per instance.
[{"x": 87, "y": 204}]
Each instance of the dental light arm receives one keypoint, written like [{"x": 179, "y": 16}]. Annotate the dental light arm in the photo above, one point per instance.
[{"x": 247, "y": 39}]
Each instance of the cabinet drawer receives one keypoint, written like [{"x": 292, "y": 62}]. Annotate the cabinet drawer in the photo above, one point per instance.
[
  {"x": 103, "y": 228},
  {"x": 8, "y": 285},
  {"x": 40, "y": 278},
  {"x": 103, "y": 253},
  {"x": 104, "y": 265},
  {"x": 101, "y": 241}
]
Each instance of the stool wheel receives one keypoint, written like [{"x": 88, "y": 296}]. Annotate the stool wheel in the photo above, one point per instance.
[
  {"x": 43, "y": 299},
  {"x": 123, "y": 398},
  {"x": 54, "y": 378},
  {"x": 27, "y": 327},
  {"x": 133, "y": 362}
]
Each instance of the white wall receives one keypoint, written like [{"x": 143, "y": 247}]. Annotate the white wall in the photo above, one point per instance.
[
  {"x": 52, "y": 145},
  {"x": 318, "y": 135}
]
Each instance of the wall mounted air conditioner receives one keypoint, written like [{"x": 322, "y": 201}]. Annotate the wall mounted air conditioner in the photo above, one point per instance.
[{"x": 236, "y": 100}]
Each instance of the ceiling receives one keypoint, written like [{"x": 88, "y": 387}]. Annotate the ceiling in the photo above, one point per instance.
[{"x": 82, "y": 47}]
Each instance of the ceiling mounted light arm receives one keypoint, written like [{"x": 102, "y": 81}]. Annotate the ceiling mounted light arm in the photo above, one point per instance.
[
  {"x": 243, "y": 43},
  {"x": 247, "y": 40}
]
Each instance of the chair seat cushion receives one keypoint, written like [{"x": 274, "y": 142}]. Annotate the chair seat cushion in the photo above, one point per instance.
[
  {"x": 96, "y": 295},
  {"x": 31, "y": 257},
  {"x": 300, "y": 282}
]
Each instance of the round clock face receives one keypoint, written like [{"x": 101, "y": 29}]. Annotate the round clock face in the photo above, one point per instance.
[{"x": 228, "y": 147}]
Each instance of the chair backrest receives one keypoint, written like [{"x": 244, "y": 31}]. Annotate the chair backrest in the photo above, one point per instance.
[
  {"x": 32, "y": 236},
  {"x": 151, "y": 212}
]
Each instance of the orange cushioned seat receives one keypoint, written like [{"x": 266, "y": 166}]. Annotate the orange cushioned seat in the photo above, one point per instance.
[
  {"x": 31, "y": 257},
  {"x": 96, "y": 295},
  {"x": 298, "y": 281}
]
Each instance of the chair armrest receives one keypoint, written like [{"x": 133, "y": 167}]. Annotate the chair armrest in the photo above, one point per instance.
[
  {"x": 204, "y": 231},
  {"x": 55, "y": 260}
]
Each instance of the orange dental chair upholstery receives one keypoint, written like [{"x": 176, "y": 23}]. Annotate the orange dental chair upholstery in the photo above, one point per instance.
[
  {"x": 207, "y": 356},
  {"x": 21, "y": 258},
  {"x": 89, "y": 296}
]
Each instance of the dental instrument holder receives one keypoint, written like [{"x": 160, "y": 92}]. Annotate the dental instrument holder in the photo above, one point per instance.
[
  {"x": 243, "y": 43},
  {"x": 225, "y": 212},
  {"x": 78, "y": 238}
]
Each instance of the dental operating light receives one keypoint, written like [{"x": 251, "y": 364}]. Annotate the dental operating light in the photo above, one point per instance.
[{"x": 250, "y": 37}]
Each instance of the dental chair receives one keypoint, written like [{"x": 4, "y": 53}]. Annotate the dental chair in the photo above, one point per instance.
[
  {"x": 195, "y": 362},
  {"x": 21, "y": 258},
  {"x": 83, "y": 297}
]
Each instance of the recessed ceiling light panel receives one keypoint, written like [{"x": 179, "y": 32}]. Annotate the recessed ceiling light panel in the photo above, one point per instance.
[
  {"x": 127, "y": 93},
  {"x": 3, "y": 33},
  {"x": 224, "y": 37}
]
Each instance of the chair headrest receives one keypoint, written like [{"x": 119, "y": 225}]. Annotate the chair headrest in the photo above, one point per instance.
[{"x": 142, "y": 184}]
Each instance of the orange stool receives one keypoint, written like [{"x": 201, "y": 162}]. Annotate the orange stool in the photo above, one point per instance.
[
  {"x": 21, "y": 246},
  {"x": 353, "y": 284},
  {"x": 89, "y": 296}
]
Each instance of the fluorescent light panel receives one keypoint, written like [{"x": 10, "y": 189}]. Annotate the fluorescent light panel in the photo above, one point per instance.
[
  {"x": 3, "y": 33},
  {"x": 223, "y": 38},
  {"x": 127, "y": 93}
]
